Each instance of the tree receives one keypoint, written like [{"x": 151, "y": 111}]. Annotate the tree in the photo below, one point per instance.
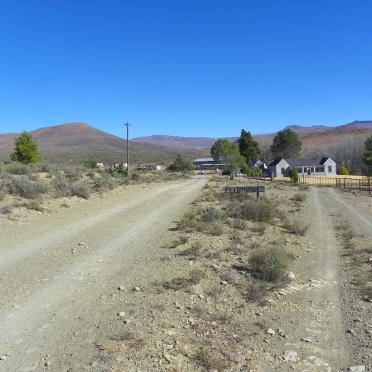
[
  {"x": 286, "y": 144},
  {"x": 293, "y": 174},
  {"x": 343, "y": 169},
  {"x": 229, "y": 153},
  {"x": 248, "y": 147},
  {"x": 180, "y": 165},
  {"x": 367, "y": 155},
  {"x": 25, "y": 150}
]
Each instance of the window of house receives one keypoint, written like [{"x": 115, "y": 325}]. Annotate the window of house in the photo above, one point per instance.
[
  {"x": 330, "y": 168},
  {"x": 319, "y": 169},
  {"x": 299, "y": 170}
]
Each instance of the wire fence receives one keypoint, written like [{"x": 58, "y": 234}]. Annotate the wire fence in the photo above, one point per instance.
[{"x": 362, "y": 184}]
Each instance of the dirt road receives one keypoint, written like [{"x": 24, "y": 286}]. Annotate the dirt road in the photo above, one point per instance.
[
  {"x": 324, "y": 322},
  {"x": 58, "y": 272}
]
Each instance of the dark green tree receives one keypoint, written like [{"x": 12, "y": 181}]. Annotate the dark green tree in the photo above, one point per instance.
[
  {"x": 223, "y": 150},
  {"x": 367, "y": 155},
  {"x": 286, "y": 144},
  {"x": 293, "y": 174},
  {"x": 25, "y": 149},
  {"x": 248, "y": 147},
  {"x": 180, "y": 165}
]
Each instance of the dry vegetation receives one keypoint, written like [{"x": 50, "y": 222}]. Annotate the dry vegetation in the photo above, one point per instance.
[
  {"x": 231, "y": 254},
  {"x": 29, "y": 187}
]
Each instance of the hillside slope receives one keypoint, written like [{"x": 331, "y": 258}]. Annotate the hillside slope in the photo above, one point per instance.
[
  {"x": 79, "y": 141},
  {"x": 317, "y": 136}
]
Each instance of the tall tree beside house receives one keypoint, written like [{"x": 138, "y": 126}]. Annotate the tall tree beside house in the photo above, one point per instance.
[
  {"x": 248, "y": 147},
  {"x": 25, "y": 149},
  {"x": 343, "y": 169},
  {"x": 229, "y": 153},
  {"x": 367, "y": 155},
  {"x": 286, "y": 144}
]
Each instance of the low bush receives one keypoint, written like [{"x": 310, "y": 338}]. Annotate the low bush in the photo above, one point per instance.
[
  {"x": 6, "y": 209},
  {"x": 269, "y": 264},
  {"x": 256, "y": 292},
  {"x": 211, "y": 214},
  {"x": 300, "y": 197},
  {"x": 26, "y": 188},
  {"x": 2, "y": 195},
  {"x": 62, "y": 186},
  {"x": 296, "y": 227},
  {"x": 194, "y": 250},
  {"x": 216, "y": 229},
  {"x": 238, "y": 224},
  {"x": 80, "y": 189},
  {"x": 18, "y": 169},
  {"x": 210, "y": 359},
  {"x": 176, "y": 284},
  {"x": 103, "y": 183},
  {"x": 259, "y": 228},
  {"x": 255, "y": 210},
  {"x": 34, "y": 205}
]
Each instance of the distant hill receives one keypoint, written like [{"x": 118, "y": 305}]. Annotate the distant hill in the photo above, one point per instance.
[
  {"x": 316, "y": 135},
  {"x": 79, "y": 141}
]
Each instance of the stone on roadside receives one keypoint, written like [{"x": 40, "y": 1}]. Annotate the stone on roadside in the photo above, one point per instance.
[
  {"x": 290, "y": 356},
  {"x": 136, "y": 289},
  {"x": 357, "y": 368},
  {"x": 122, "y": 314},
  {"x": 270, "y": 331},
  {"x": 121, "y": 288},
  {"x": 291, "y": 276}
]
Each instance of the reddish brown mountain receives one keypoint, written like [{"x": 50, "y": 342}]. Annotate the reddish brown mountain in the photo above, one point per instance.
[{"x": 79, "y": 141}]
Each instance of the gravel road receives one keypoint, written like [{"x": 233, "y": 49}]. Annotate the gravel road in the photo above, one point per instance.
[{"x": 55, "y": 272}]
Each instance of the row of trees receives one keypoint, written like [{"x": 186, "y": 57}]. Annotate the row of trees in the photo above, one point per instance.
[
  {"x": 247, "y": 151},
  {"x": 285, "y": 144}
]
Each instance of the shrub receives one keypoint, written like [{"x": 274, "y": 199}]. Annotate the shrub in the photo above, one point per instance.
[
  {"x": 216, "y": 229},
  {"x": 210, "y": 359},
  {"x": 296, "y": 227},
  {"x": 22, "y": 186},
  {"x": 135, "y": 177},
  {"x": 194, "y": 250},
  {"x": 62, "y": 186},
  {"x": 259, "y": 228},
  {"x": 25, "y": 149},
  {"x": 238, "y": 224},
  {"x": 6, "y": 209},
  {"x": 211, "y": 214},
  {"x": 103, "y": 183},
  {"x": 293, "y": 174},
  {"x": 269, "y": 264},
  {"x": 2, "y": 195},
  {"x": 300, "y": 197},
  {"x": 255, "y": 210},
  {"x": 81, "y": 190},
  {"x": 256, "y": 292},
  {"x": 34, "y": 205},
  {"x": 18, "y": 168},
  {"x": 180, "y": 165}
]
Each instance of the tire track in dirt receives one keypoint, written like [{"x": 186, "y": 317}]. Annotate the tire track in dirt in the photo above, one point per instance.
[{"x": 46, "y": 319}]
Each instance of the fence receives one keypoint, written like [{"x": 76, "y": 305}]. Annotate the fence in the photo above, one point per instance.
[{"x": 362, "y": 184}]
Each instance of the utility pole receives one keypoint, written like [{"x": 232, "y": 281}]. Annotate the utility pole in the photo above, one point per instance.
[{"x": 127, "y": 125}]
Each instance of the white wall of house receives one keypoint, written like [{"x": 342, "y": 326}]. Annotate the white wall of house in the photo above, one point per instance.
[
  {"x": 279, "y": 169},
  {"x": 330, "y": 167}
]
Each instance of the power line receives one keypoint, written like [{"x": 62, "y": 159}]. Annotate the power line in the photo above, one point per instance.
[{"x": 127, "y": 125}]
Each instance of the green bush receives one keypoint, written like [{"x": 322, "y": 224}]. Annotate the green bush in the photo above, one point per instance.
[
  {"x": 293, "y": 174},
  {"x": 269, "y": 264},
  {"x": 255, "y": 210},
  {"x": 180, "y": 165},
  {"x": 216, "y": 229}
]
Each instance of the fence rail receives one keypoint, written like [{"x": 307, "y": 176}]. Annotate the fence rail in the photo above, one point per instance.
[{"x": 363, "y": 185}]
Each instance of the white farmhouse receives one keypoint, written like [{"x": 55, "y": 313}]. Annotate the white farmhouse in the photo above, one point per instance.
[{"x": 325, "y": 166}]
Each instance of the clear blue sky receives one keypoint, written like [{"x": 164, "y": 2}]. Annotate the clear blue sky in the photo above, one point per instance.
[{"x": 185, "y": 67}]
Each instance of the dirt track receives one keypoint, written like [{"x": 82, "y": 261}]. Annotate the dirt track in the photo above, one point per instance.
[{"x": 55, "y": 272}]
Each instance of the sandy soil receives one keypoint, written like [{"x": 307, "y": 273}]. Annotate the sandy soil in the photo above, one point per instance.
[{"x": 56, "y": 272}]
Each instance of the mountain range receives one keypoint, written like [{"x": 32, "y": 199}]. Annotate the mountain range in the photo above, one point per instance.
[{"x": 73, "y": 142}]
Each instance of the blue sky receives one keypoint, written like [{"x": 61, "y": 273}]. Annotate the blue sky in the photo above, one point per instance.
[{"x": 184, "y": 67}]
